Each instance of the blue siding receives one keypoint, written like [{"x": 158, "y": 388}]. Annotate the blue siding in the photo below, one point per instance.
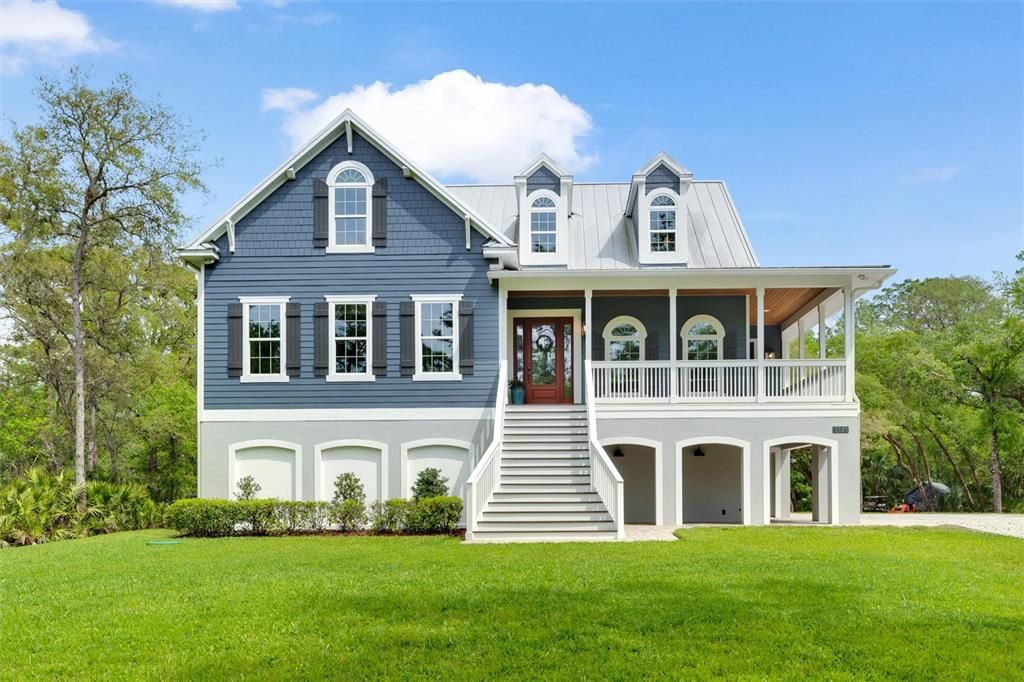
[
  {"x": 652, "y": 311},
  {"x": 275, "y": 256},
  {"x": 543, "y": 178},
  {"x": 662, "y": 178},
  {"x": 731, "y": 311}
]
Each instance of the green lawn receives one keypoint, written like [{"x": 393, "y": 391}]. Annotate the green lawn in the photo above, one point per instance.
[{"x": 776, "y": 602}]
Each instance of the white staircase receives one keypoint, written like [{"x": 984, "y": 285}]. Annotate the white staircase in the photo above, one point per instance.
[{"x": 545, "y": 488}]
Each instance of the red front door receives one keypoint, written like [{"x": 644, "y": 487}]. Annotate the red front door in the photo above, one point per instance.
[{"x": 546, "y": 359}]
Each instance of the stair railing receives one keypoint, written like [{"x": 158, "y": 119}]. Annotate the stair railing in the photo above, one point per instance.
[
  {"x": 604, "y": 477},
  {"x": 486, "y": 475}
]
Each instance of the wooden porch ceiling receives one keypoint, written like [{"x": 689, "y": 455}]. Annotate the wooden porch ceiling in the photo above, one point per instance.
[{"x": 780, "y": 304}]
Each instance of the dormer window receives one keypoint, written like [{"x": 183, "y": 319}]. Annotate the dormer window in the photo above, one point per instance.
[
  {"x": 663, "y": 224},
  {"x": 351, "y": 209},
  {"x": 543, "y": 225}
]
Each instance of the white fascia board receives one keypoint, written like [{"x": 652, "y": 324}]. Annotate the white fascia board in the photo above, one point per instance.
[
  {"x": 663, "y": 158},
  {"x": 861, "y": 278},
  {"x": 542, "y": 160},
  {"x": 332, "y": 131}
]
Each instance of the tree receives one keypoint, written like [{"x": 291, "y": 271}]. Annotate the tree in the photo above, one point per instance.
[
  {"x": 429, "y": 483},
  {"x": 103, "y": 170}
]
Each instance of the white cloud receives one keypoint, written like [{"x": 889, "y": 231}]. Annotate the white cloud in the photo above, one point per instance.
[
  {"x": 933, "y": 174},
  {"x": 44, "y": 31},
  {"x": 207, "y": 6},
  {"x": 286, "y": 99},
  {"x": 455, "y": 124}
]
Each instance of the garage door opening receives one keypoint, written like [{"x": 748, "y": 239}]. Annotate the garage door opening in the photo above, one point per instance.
[
  {"x": 637, "y": 464},
  {"x": 712, "y": 483}
]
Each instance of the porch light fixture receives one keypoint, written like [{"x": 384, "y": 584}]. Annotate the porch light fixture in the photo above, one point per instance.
[
  {"x": 769, "y": 355},
  {"x": 618, "y": 452},
  {"x": 698, "y": 452}
]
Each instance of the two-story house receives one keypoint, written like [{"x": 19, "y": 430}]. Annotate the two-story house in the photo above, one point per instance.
[{"x": 356, "y": 314}]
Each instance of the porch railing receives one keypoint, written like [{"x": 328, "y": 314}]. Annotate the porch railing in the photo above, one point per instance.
[
  {"x": 604, "y": 477},
  {"x": 486, "y": 475},
  {"x": 719, "y": 381}
]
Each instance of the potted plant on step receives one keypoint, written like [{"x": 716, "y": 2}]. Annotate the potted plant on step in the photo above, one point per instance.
[{"x": 518, "y": 392}]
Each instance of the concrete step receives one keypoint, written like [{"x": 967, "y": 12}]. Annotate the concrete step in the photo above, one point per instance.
[
  {"x": 561, "y": 455},
  {"x": 545, "y": 517},
  {"x": 554, "y": 527},
  {"x": 546, "y": 463},
  {"x": 546, "y": 408},
  {"x": 545, "y": 438},
  {"x": 517, "y": 446},
  {"x": 543, "y": 479},
  {"x": 516, "y": 487},
  {"x": 544, "y": 431},
  {"x": 523, "y": 498},
  {"x": 529, "y": 507}
]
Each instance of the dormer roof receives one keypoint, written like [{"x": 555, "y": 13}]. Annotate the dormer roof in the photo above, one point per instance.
[{"x": 542, "y": 160}]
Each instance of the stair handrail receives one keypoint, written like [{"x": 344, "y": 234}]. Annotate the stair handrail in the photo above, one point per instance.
[
  {"x": 604, "y": 477},
  {"x": 484, "y": 479}
]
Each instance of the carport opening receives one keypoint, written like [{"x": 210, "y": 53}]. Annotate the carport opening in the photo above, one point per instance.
[
  {"x": 800, "y": 483},
  {"x": 636, "y": 465},
  {"x": 712, "y": 483}
]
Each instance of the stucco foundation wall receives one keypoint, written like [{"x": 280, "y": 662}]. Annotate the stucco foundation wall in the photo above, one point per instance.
[
  {"x": 755, "y": 430},
  {"x": 217, "y": 437}
]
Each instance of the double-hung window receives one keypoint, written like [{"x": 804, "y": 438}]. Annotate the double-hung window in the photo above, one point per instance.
[
  {"x": 351, "y": 208},
  {"x": 663, "y": 224},
  {"x": 437, "y": 337},
  {"x": 263, "y": 349},
  {"x": 351, "y": 343}
]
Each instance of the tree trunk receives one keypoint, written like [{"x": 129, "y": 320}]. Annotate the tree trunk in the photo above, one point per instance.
[
  {"x": 997, "y": 478},
  {"x": 78, "y": 333},
  {"x": 91, "y": 448},
  {"x": 904, "y": 461},
  {"x": 931, "y": 503},
  {"x": 956, "y": 468}
]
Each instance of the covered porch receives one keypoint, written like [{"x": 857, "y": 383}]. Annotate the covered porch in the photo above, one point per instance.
[{"x": 685, "y": 339}]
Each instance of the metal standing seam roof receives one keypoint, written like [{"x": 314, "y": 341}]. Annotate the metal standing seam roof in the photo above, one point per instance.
[{"x": 600, "y": 237}]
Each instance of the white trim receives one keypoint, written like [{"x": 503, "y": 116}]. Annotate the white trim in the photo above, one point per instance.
[
  {"x": 647, "y": 256},
  {"x": 318, "y": 451},
  {"x": 367, "y": 186},
  {"x": 350, "y": 414},
  {"x": 560, "y": 256},
  {"x": 427, "y": 442},
  {"x": 296, "y": 448},
  {"x": 663, "y": 158},
  {"x": 454, "y": 300},
  {"x": 640, "y": 336},
  {"x": 833, "y": 471},
  {"x": 358, "y": 299},
  {"x": 200, "y": 374},
  {"x": 282, "y": 376},
  {"x": 659, "y": 463},
  {"x": 577, "y": 342},
  {"x": 346, "y": 120},
  {"x": 744, "y": 445},
  {"x": 748, "y": 410},
  {"x": 718, "y": 337}
]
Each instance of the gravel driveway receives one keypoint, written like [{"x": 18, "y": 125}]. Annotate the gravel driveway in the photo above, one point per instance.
[{"x": 1001, "y": 524}]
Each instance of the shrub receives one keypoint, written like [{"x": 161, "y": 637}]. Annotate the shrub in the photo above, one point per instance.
[
  {"x": 120, "y": 507},
  {"x": 429, "y": 483},
  {"x": 297, "y": 517},
  {"x": 203, "y": 518},
  {"x": 348, "y": 514},
  {"x": 434, "y": 515},
  {"x": 247, "y": 488},
  {"x": 260, "y": 516},
  {"x": 347, "y": 486},
  {"x": 388, "y": 516}
]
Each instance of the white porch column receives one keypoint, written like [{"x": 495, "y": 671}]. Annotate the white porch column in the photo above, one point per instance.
[
  {"x": 588, "y": 295},
  {"x": 503, "y": 337},
  {"x": 673, "y": 343},
  {"x": 780, "y": 470},
  {"x": 801, "y": 330},
  {"x": 850, "y": 332},
  {"x": 760, "y": 345},
  {"x": 822, "y": 332}
]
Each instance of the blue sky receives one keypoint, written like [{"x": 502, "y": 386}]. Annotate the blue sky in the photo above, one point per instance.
[{"x": 848, "y": 133}]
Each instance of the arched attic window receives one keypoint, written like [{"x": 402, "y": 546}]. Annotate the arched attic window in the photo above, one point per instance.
[
  {"x": 624, "y": 339},
  {"x": 351, "y": 208},
  {"x": 543, "y": 225},
  {"x": 663, "y": 224},
  {"x": 702, "y": 337}
]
